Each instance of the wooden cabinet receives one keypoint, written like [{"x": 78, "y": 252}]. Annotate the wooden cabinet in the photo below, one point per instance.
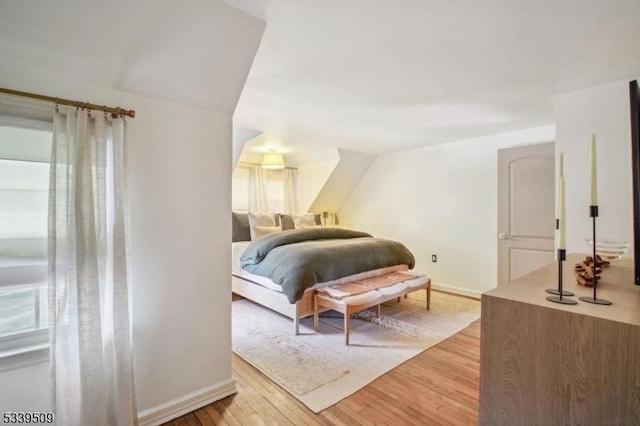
[{"x": 543, "y": 363}]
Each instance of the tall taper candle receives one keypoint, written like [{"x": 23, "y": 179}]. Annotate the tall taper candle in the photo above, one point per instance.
[
  {"x": 594, "y": 178},
  {"x": 562, "y": 227},
  {"x": 560, "y": 174}
]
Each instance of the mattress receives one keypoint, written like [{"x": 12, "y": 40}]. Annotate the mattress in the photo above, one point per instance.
[{"x": 238, "y": 248}]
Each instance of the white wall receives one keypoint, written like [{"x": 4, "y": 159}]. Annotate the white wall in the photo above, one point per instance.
[
  {"x": 179, "y": 166},
  {"x": 26, "y": 389},
  {"x": 311, "y": 179},
  {"x": 440, "y": 200},
  {"x": 180, "y": 189},
  {"x": 603, "y": 110},
  {"x": 340, "y": 183}
]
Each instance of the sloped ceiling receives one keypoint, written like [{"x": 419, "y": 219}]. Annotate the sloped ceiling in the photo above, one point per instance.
[
  {"x": 176, "y": 51},
  {"x": 343, "y": 178},
  {"x": 371, "y": 76},
  {"x": 377, "y": 76}
]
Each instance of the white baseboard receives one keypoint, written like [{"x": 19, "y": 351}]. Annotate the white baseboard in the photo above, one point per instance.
[
  {"x": 457, "y": 290},
  {"x": 185, "y": 404}
]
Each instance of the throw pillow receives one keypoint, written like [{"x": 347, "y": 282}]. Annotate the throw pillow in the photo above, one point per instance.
[
  {"x": 259, "y": 231},
  {"x": 303, "y": 220},
  {"x": 240, "y": 227},
  {"x": 260, "y": 219}
]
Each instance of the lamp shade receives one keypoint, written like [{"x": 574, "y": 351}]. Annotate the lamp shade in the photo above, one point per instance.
[{"x": 272, "y": 161}]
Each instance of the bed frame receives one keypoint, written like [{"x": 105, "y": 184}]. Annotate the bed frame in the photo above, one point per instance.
[
  {"x": 278, "y": 302},
  {"x": 275, "y": 300}
]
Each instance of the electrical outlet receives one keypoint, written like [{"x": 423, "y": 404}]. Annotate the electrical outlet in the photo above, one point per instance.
[{"x": 434, "y": 258}]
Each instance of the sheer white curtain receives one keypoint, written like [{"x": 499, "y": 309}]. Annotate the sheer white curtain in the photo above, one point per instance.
[
  {"x": 258, "y": 199},
  {"x": 290, "y": 184},
  {"x": 89, "y": 311}
]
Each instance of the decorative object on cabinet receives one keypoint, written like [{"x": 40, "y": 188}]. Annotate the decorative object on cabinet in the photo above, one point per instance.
[
  {"x": 561, "y": 296},
  {"x": 593, "y": 212}
]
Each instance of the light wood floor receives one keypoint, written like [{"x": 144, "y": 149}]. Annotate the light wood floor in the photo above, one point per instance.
[{"x": 439, "y": 386}]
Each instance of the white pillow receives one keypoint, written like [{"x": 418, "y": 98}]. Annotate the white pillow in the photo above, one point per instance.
[
  {"x": 260, "y": 219},
  {"x": 259, "y": 231},
  {"x": 304, "y": 220}
]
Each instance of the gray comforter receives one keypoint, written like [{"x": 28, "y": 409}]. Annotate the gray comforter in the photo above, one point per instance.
[{"x": 300, "y": 258}]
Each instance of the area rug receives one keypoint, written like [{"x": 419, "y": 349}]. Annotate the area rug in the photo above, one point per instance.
[{"x": 318, "y": 369}]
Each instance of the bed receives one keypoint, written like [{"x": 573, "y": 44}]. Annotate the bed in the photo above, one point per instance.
[{"x": 330, "y": 256}]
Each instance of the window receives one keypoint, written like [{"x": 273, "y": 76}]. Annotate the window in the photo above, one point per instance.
[
  {"x": 275, "y": 190},
  {"x": 241, "y": 189},
  {"x": 24, "y": 187}
]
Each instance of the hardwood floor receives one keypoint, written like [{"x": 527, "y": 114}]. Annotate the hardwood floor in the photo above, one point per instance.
[{"x": 439, "y": 386}]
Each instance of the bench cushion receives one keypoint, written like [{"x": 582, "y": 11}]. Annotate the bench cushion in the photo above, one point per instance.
[
  {"x": 359, "y": 299},
  {"x": 416, "y": 282},
  {"x": 393, "y": 289}
]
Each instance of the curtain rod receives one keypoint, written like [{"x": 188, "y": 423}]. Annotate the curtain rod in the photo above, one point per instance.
[
  {"x": 244, "y": 163},
  {"x": 114, "y": 111}
]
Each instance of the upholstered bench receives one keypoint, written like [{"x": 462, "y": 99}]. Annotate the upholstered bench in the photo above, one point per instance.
[{"x": 359, "y": 302}]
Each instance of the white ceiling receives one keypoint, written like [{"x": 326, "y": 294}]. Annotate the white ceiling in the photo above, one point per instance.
[
  {"x": 366, "y": 75},
  {"x": 174, "y": 50},
  {"x": 381, "y": 75}
]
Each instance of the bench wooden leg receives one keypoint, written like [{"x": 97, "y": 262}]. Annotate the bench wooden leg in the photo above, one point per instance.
[
  {"x": 428, "y": 289},
  {"x": 379, "y": 304},
  {"x": 347, "y": 320},
  {"x": 316, "y": 315}
]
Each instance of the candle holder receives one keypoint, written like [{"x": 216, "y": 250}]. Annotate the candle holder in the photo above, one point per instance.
[
  {"x": 559, "y": 290},
  {"x": 561, "y": 295},
  {"x": 593, "y": 212}
]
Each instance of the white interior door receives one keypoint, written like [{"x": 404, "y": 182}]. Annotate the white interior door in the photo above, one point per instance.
[{"x": 526, "y": 210}]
